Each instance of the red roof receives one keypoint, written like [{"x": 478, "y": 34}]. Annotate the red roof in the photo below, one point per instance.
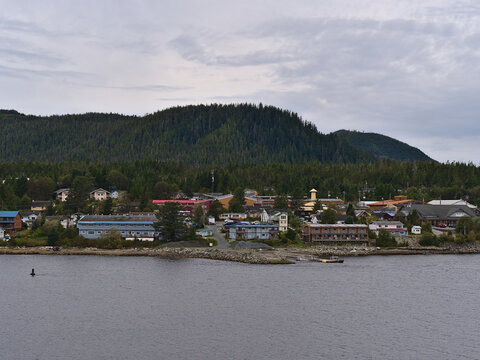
[{"x": 184, "y": 202}]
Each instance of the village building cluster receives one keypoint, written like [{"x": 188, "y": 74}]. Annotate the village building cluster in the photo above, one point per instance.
[{"x": 259, "y": 220}]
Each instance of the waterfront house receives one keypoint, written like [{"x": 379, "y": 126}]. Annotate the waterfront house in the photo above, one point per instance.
[
  {"x": 63, "y": 220},
  {"x": 335, "y": 233},
  {"x": 10, "y": 220},
  {"x": 416, "y": 230},
  {"x": 29, "y": 218},
  {"x": 395, "y": 228},
  {"x": 130, "y": 226},
  {"x": 252, "y": 231},
  {"x": 440, "y": 215}
]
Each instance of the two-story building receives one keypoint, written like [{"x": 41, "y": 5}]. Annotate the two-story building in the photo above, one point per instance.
[
  {"x": 279, "y": 217},
  {"x": 62, "y": 194},
  {"x": 100, "y": 194},
  {"x": 130, "y": 226},
  {"x": 395, "y": 228},
  {"x": 252, "y": 231},
  {"x": 10, "y": 220},
  {"x": 335, "y": 233}
]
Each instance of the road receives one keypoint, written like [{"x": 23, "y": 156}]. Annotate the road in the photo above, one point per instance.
[{"x": 217, "y": 235}]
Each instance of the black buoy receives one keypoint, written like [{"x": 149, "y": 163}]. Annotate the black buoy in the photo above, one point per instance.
[{"x": 33, "y": 272}]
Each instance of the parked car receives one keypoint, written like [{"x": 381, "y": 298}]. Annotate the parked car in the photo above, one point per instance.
[{"x": 442, "y": 225}]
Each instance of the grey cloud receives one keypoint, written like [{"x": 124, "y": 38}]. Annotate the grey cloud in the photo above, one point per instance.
[
  {"x": 31, "y": 57},
  {"x": 14, "y": 72},
  {"x": 154, "y": 88},
  {"x": 191, "y": 49}
]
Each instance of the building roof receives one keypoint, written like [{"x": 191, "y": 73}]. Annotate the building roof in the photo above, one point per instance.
[
  {"x": 127, "y": 218},
  {"x": 452, "y": 202},
  {"x": 434, "y": 212},
  {"x": 183, "y": 202},
  {"x": 243, "y": 224},
  {"x": 387, "y": 222},
  {"x": 339, "y": 225},
  {"x": 395, "y": 202},
  {"x": 40, "y": 202},
  {"x": 8, "y": 213},
  {"x": 99, "y": 189},
  {"x": 61, "y": 190}
]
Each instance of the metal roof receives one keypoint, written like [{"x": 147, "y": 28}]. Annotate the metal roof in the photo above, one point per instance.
[{"x": 8, "y": 213}]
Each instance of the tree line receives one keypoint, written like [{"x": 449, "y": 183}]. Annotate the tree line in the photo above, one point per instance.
[{"x": 145, "y": 180}]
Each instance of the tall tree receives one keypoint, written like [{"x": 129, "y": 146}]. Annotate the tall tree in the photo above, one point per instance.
[
  {"x": 216, "y": 208},
  {"x": 79, "y": 193},
  {"x": 171, "y": 225},
  {"x": 329, "y": 216},
  {"x": 281, "y": 202},
  {"x": 236, "y": 204}
]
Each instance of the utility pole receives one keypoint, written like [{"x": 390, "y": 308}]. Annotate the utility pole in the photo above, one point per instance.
[{"x": 213, "y": 180}]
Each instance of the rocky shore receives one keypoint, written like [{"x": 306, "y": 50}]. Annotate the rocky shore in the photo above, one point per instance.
[{"x": 249, "y": 256}]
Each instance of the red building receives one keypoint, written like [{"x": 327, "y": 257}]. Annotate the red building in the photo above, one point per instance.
[
  {"x": 10, "y": 220},
  {"x": 187, "y": 205}
]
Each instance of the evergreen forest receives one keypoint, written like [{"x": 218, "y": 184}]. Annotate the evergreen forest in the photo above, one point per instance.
[{"x": 196, "y": 135}]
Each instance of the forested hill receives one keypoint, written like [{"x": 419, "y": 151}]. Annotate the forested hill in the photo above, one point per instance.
[
  {"x": 197, "y": 135},
  {"x": 383, "y": 147},
  {"x": 192, "y": 134}
]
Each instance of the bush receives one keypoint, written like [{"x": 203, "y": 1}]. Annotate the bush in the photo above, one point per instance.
[
  {"x": 428, "y": 239},
  {"x": 385, "y": 239},
  {"x": 110, "y": 239}
]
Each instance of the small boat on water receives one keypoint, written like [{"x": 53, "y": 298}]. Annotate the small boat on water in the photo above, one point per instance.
[{"x": 332, "y": 259}]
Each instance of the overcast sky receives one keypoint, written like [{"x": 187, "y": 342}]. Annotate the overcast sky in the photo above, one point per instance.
[{"x": 407, "y": 69}]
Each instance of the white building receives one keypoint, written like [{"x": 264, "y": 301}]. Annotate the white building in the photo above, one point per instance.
[
  {"x": 100, "y": 194},
  {"x": 62, "y": 194},
  {"x": 452, "y": 202},
  {"x": 394, "y": 227},
  {"x": 275, "y": 217},
  {"x": 417, "y": 230}
]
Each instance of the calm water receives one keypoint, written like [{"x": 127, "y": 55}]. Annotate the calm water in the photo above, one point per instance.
[{"x": 86, "y": 307}]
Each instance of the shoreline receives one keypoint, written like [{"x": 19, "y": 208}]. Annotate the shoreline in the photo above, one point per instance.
[{"x": 247, "y": 256}]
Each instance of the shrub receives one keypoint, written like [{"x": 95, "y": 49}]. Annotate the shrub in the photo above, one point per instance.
[
  {"x": 110, "y": 239},
  {"x": 428, "y": 239},
  {"x": 385, "y": 239}
]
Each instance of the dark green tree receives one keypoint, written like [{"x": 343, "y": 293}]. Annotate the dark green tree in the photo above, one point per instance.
[
  {"x": 385, "y": 239},
  {"x": 237, "y": 202},
  {"x": 198, "y": 215},
  {"x": 107, "y": 206},
  {"x": 216, "y": 208},
  {"x": 117, "y": 179},
  {"x": 79, "y": 193},
  {"x": 171, "y": 225},
  {"x": 281, "y": 202},
  {"x": 329, "y": 216}
]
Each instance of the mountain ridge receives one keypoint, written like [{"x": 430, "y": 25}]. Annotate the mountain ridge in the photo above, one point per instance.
[
  {"x": 382, "y": 146},
  {"x": 196, "y": 134}
]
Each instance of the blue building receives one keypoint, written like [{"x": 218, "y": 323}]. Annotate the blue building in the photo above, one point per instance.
[
  {"x": 252, "y": 231},
  {"x": 130, "y": 226}
]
